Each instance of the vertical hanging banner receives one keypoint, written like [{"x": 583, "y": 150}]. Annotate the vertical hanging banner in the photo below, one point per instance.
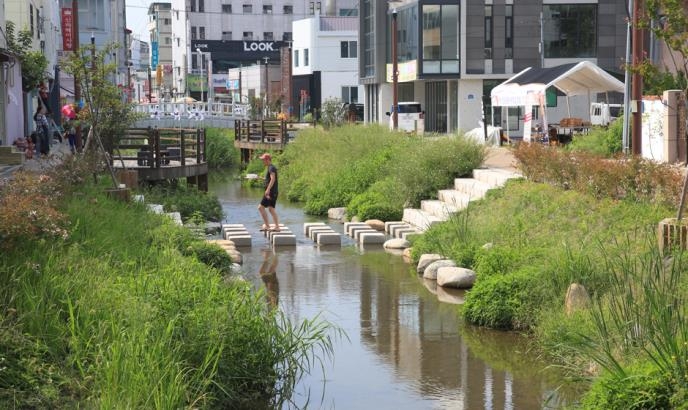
[
  {"x": 67, "y": 30},
  {"x": 154, "y": 54}
]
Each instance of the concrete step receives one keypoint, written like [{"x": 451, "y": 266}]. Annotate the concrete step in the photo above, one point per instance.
[
  {"x": 455, "y": 198},
  {"x": 419, "y": 219},
  {"x": 438, "y": 208},
  {"x": 10, "y": 156},
  {"x": 472, "y": 187},
  {"x": 493, "y": 177}
]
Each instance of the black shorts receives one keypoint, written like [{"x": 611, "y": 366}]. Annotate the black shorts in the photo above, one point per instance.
[{"x": 269, "y": 202}]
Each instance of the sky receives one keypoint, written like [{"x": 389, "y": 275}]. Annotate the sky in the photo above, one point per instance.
[{"x": 137, "y": 17}]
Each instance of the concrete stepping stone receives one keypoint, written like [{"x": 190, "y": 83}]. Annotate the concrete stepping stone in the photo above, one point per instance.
[
  {"x": 389, "y": 225},
  {"x": 348, "y": 226},
  {"x": 329, "y": 238},
  {"x": 373, "y": 237},
  {"x": 310, "y": 225},
  {"x": 313, "y": 232},
  {"x": 359, "y": 231}
]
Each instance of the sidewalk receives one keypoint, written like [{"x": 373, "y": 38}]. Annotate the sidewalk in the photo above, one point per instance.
[{"x": 36, "y": 164}]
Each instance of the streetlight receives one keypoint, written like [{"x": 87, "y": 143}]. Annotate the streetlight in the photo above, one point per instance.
[
  {"x": 201, "y": 54},
  {"x": 395, "y": 73}
]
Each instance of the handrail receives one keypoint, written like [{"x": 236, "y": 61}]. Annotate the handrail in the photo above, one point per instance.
[
  {"x": 154, "y": 146},
  {"x": 192, "y": 110}
]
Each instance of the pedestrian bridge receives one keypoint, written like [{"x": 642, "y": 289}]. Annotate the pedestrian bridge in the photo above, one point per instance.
[{"x": 190, "y": 115}]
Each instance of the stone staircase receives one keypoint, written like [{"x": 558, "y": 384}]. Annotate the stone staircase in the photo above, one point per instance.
[{"x": 453, "y": 200}]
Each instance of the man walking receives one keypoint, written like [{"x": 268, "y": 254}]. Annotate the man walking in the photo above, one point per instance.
[{"x": 270, "y": 196}]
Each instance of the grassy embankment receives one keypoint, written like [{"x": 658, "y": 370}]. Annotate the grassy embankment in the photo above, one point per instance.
[
  {"x": 577, "y": 218},
  {"x": 105, "y": 305},
  {"x": 372, "y": 172}
]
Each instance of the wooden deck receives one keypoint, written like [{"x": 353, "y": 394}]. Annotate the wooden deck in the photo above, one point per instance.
[
  {"x": 263, "y": 135},
  {"x": 157, "y": 154}
]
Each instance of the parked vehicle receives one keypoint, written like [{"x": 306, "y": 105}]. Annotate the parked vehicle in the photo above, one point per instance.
[
  {"x": 603, "y": 114},
  {"x": 410, "y": 117}
]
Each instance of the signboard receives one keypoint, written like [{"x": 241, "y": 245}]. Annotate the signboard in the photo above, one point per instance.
[
  {"x": 232, "y": 84},
  {"x": 67, "y": 30},
  {"x": 154, "y": 54},
  {"x": 408, "y": 71}
]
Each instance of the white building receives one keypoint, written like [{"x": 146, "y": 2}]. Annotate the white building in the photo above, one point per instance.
[{"x": 324, "y": 62}]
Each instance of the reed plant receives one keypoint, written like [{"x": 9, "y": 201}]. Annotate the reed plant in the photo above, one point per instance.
[
  {"x": 114, "y": 315},
  {"x": 220, "y": 150}
]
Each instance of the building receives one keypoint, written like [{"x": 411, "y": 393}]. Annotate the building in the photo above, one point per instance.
[
  {"x": 324, "y": 62},
  {"x": 161, "y": 62},
  {"x": 451, "y": 53},
  {"x": 212, "y": 37}
]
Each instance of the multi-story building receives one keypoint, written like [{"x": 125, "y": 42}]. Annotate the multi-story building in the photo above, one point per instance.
[
  {"x": 215, "y": 36},
  {"x": 160, "y": 29},
  {"x": 451, "y": 54},
  {"x": 324, "y": 62}
]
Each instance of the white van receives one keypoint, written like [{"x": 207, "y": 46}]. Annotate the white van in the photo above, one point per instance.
[
  {"x": 410, "y": 117},
  {"x": 603, "y": 114}
]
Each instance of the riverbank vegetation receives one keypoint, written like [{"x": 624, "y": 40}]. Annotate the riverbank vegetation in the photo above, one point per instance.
[
  {"x": 106, "y": 305},
  {"x": 220, "y": 150},
  {"x": 371, "y": 171},
  {"x": 592, "y": 222}
]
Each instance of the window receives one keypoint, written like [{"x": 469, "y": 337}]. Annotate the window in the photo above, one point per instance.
[
  {"x": 440, "y": 39},
  {"x": 570, "y": 30},
  {"x": 305, "y": 57},
  {"x": 193, "y": 33},
  {"x": 348, "y": 49},
  {"x": 248, "y": 9},
  {"x": 287, "y": 36},
  {"x": 248, "y": 35},
  {"x": 288, "y": 10},
  {"x": 227, "y": 8},
  {"x": 267, "y": 9},
  {"x": 31, "y": 19},
  {"x": 296, "y": 58},
  {"x": 201, "y": 33},
  {"x": 38, "y": 24},
  {"x": 488, "y": 33},
  {"x": 348, "y": 12},
  {"x": 509, "y": 31},
  {"x": 178, "y": 41},
  {"x": 368, "y": 36},
  {"x": 226, "y": 35},
  {"x": 268, "y": 36},
  {"x": 168, "y": 40},
  {"x": 201, "y": 6},
  {"x": 166, "y": 22},
  {"x": 313, "y": 7},
  {"x": 350, "y": 94},
  {"x": 194, "y": 63},
  {"x": 192, "y": 5}
]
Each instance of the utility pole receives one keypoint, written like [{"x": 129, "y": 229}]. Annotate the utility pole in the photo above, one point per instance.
[
  {"x": 77, "y": 85},
  {"x": 150, "y": 85},
  {"x": 637, "y": 80},
  {"x": 265, "y": 104},
  {"x": 395, "y": 73}
]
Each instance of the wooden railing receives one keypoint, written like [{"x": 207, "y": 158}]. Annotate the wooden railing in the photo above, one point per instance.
[
  {"x": 269, "y": 132},
  {"x": 156, "y": 147}
]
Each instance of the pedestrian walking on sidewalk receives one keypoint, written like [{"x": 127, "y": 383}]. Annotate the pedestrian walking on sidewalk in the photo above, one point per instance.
[{"x": 269, "y": 199}]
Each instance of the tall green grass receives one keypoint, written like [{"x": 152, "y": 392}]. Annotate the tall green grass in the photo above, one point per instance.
[
  {"x": 370, "y": 170},
  {"x": 220, "y": 150},
  {"x": 117, "y": 317}
]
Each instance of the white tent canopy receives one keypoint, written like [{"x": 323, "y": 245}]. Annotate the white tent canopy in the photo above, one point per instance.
[{"x": 528, "y": 87}]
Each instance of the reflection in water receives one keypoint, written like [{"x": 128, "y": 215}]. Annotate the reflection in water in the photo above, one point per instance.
[
  {"x": 405, "y": 348},
  {"x": 268, "y": 273}
]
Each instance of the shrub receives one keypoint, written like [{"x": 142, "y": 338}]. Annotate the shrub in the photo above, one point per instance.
[
  {"x": 186, "y": 201},
  {"x": 383, "y": 200},
  {"x": 602, "y": 141},
  {"x": 332, "y": 113},
  {"x": 498, "y": 260},
  {"x": 220, "y": 151},
  {"x": 211, "y": 255},
  {"x": 642, "y": 387},
  {"x": 507, "y": 302}
]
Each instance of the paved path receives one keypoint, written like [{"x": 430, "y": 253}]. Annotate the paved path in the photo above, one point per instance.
[
  {"x": 36, "y": 164},
  {"x": 501, "y": 158}
]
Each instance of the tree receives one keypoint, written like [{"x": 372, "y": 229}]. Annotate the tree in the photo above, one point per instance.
[
  {"x": 105, "y": 108},
  {"x": 34, "y": 63},
  {"x": 668, "y": 21}
]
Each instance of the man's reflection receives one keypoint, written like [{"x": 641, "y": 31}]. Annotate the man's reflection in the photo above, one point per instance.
[{"x": 268, "y": 274}]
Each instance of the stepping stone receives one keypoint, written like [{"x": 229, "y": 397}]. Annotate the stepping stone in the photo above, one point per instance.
[
  {"x": 316, "y": 234},
  {"x": 350, "y": 225},
  {"x": 313, "y": 232},
  {"x": 329, "y": 238},
  {"x": 374, "y": 237},
  {"x": 283, "y": 239},
  {"x": 241, "y": 240},
  {"x": 359, "y": 232},
  {"x": 390, "y": 224},
  {"x": 309, "y": 225}
]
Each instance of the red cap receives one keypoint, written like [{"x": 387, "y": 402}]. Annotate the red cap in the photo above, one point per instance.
[{"x": 265, "y": 156}]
